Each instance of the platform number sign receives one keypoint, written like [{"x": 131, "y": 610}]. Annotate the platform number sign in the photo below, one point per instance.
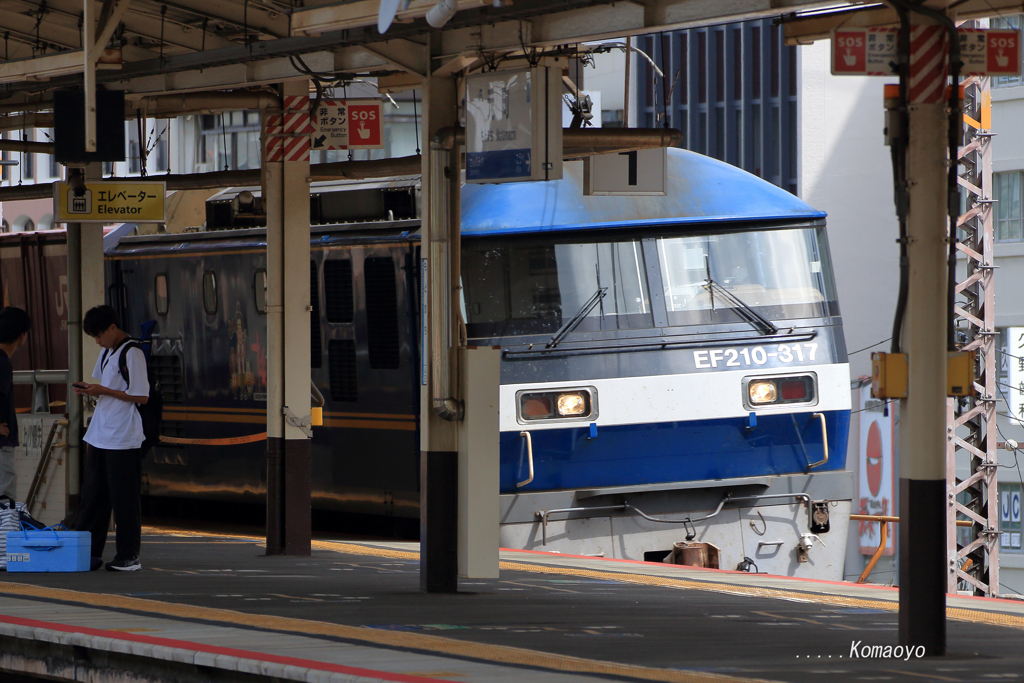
[{"x": 637, "y": 172}]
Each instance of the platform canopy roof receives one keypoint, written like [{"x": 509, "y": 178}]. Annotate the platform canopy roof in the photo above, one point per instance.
[
  {"x": 155, "y": 47},
  {"x": 166, "y": 46}
]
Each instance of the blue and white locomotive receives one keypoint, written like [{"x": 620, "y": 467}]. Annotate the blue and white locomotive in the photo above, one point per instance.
[{"x": 673, "y": 366}]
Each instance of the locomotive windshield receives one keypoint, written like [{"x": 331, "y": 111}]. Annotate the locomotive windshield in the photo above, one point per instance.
[{"x": 536, "y": 285}]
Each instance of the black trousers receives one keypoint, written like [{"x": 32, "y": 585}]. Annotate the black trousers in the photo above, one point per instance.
[{"x": 112, "y": 480}]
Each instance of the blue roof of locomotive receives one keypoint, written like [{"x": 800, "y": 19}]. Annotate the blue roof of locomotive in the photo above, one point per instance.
[{"x": 699, "y": 190}]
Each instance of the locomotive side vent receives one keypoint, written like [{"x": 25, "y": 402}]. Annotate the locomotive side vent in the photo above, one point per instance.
[
  {"x": 382, "y": 312},
  {"x": 344, "y": 379},
  {"x": 316, "y": 345},
  {"x": 355, "y": 206},
  {"x": 166, "y": 371}
]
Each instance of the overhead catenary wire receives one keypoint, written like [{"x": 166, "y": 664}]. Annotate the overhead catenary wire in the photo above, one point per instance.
[{"x": 851, "y": 353}]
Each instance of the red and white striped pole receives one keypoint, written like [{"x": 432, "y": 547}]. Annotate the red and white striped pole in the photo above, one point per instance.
[{"x": 922, "y": 541}]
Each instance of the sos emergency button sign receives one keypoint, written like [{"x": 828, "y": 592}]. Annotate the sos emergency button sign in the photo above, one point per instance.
[
  {"x": 874, "y": 51},
  {"x": 348, "y": 124}
]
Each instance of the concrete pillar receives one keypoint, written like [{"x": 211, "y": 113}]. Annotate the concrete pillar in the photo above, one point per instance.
[
  {"x": 923, "y": 413},
  {"x": 439, "y": 457},
  {"x": 286, "y": 191},
  {"x": 85, "y": 290},
  {"x": 479, "y": 455}
]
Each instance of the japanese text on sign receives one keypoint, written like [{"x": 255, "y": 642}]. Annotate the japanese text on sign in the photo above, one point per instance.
[
  {"x": 108, "y": 202},
  {"x": 348, "y": 124},
  {"x": 874, "y": 51},
  {"x": 1012, "y": 359}
]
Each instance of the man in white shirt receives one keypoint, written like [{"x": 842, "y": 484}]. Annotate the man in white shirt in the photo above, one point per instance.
[{"x": 112, "y": 479}]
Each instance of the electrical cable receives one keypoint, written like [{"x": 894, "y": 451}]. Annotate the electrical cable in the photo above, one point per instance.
[
  {"x": 899, "y": 145},
  {"x": 415, "y": 121},
  {"x": 953, "y": 131},
  {"x": 664, "y": 82},
  {"x": 851, "y": 353}
]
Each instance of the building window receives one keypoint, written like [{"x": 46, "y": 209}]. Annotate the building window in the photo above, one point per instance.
[
  {"x": 734, "y": 90},
  {"x": 1007, "y": 22},
  {"x": 52, "y": 167},
  {"x": 230, "y": 140},
  {"x": 210, "y": 292},
  {"x": 161, "y": 148},
  {"x": 1007, "y": 195},
  {"x": 28, "y": 160},
  {"x": 161, "y": 295},
  {"x": 134, "y": 149},
  {"x": 1009, "y": 517}
]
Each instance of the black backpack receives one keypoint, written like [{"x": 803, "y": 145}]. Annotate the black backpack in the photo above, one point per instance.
[{"x": 151, "y": 412}]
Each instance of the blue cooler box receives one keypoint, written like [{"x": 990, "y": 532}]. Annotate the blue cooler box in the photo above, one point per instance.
[{"x": 48, "y": 551}]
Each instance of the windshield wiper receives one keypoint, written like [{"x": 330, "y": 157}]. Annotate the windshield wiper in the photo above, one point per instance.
[
  {"x": 585, "y": 309},
  {"x": 744, "y": 310}
]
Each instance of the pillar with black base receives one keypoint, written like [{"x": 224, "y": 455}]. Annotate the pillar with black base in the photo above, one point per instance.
[
  {"x": 85, "y": 290},
  {"x": 922, "y": 426},
  {"x": 438, "y": 418},
  {"x": 286, "y": 194}
]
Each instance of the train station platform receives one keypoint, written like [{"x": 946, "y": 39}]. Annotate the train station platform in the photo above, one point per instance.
[{"x": 210, "y": 607}]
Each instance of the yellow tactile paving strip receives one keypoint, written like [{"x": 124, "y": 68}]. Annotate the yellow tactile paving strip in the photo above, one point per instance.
[
  {"x": 497, "y": 654},
  {"x": 955, "y": 613}
]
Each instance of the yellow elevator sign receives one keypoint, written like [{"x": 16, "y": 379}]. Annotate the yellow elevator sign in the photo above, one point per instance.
[{"x": 110, "y": 202}]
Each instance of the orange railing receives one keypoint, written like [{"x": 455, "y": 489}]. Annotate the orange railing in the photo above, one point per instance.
[{"x": 884, "y": 521}]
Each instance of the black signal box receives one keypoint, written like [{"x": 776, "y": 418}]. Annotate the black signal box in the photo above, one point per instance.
[{"x": 69, "y": 126}]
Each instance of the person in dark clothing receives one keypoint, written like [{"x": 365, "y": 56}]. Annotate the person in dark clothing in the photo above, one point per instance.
[
  {"x": 14, "y": 326},
  {"x": 112, "y": 480}
]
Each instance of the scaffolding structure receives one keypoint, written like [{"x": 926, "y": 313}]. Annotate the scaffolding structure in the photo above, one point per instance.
[{"x": 973, "y": 553}]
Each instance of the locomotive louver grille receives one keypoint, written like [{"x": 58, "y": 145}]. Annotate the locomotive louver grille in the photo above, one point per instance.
[
  {"x": 166, "y": 370},
  {"x": 338, "y": 287},
  {"x": 344, "y": 380},
  {"x": 316, "y": 348},
  {"x": 382, "y": 312}
]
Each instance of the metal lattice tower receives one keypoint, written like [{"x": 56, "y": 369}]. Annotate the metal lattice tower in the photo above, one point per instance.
[{"x": 973, "y": 555}]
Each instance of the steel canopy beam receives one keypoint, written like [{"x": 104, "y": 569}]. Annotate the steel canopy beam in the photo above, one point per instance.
[
  {"x": 254, "y": 17},
  {"x": 799, "y": 30},
  {"x": 578, "y": 143}
]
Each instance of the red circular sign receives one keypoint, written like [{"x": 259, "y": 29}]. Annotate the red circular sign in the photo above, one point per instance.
[{"x": 874, "y": 455}]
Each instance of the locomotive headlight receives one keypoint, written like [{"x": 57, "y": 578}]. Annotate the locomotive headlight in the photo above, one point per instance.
[
  {"x": 762, "y": 392},
  {"x": 572, "y": 405}
]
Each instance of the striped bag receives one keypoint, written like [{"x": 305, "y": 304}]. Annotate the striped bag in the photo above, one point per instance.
[
  {"x": 13, "y": 517},
  {"x": 10, "y": 520}
]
